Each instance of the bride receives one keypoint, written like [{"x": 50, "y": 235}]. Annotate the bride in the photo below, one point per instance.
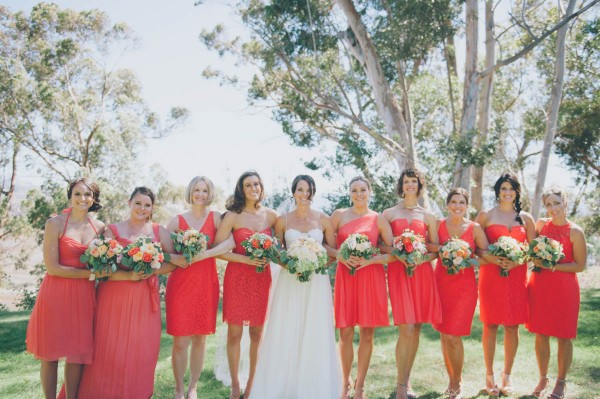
[{"x": 298, "y": 357}]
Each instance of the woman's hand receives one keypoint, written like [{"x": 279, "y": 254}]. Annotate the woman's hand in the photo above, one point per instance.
[
  {"x": 351, "y": 263},
  {"x": 136, "y": 276},
  {"x": 179, "y": 260},
  {"x": 104, "y": 273},
  {"x": 261, "y": 262},
  {"x": 506, "y": 263}
]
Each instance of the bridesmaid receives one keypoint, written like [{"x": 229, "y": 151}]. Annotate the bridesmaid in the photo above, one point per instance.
[
  {"x": 192, "y": 296},
  {"x": 245, "y": 292},
  {"x": 554, "y": 295},
  {"x": 414, "y": 299},
  {"x": 61, "y": 322},
  {"x": 458, "y": 292},
  {"x": 503, "y": 300},
  {"x": 359, "y": 300},
  {"x": 127, "y": 321}
]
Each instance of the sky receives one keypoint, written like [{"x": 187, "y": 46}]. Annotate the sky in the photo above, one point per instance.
[{"x": 224, "y": 136}]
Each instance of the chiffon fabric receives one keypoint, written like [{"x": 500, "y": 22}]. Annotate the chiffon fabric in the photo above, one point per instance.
[
  {"x": 503, "y": 300},
  {"x": 360, "y": 299},
  {"x": 192, "y": 296},
  {"x": 245, "y": 291},
  {"x": 458, "y": 292},
  {"x": 126, "y": 338},
  {"x": 554, "y": 296},
  {"x": 61, "y": 323},
  {"x": 414, "y": 299},
  {"x": 298, "y": 357}
]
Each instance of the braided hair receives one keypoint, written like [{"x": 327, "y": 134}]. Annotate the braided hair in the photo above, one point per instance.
[{"x": 513, "y": 180}]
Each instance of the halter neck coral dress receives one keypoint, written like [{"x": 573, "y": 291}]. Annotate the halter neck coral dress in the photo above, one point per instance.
[
  {"x": 458, "y": 292},
  {"x": 503, "y": 300},
  {"x": 414, "y": 299},
  {"x": 360, "y": 299},
  {"x": 127, "y": 338},
  {"x": 61, "y": 322},
  {"x": 192, "y": 296},
  {"x": 245, "y": 292},
  {"x": 554, "y": 296}
]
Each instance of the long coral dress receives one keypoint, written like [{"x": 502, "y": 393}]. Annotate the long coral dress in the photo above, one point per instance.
[
  {"x": 126, "y": 338},
  {"x": 61, "y": 323},
  {"x": 414, "y": 299},
  {"x": 192, "y": 296},
  {"x": 458, "y": 292},
  {"x": 554, "y": 296},
  {"x": 503, "y": 300},
  {"x": 245, "y": 291},
  {"x": 360, "y": 299}
]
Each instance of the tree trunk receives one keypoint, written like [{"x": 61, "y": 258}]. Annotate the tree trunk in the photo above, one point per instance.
[
  {"x": 385, "y": 101},
  {"x": 462, "y": 173},
  {"x": 484, "y": 103},
  {"x": 555, "y": 99}
]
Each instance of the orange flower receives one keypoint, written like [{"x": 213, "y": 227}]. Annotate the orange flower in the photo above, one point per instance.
[
  {"x": 161, "y": 257},
  {"x": 113, "y": 243},
  {"x": 147, "y": 257},
  {"x": 255, "y": 243},
  {"x": 267, "y": 244},
  {"x": 133, "y": 251}
]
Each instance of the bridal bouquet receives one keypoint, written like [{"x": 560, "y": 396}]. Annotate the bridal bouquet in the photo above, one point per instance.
[
  {"x": 190, "y": 243},
  {"x": 410, "y": 247},
  {"x": 546, "y": 251},
  {"x": 144, "y": 255},
  {"x": 261, "y": 246},
  {"x": 357, "y": 245},
  {"x": 102, "y": 254},
  {"x": 456, "y": 256},
  {"x": 508, "y": 247},
  {"x": 304, "y": 257}
]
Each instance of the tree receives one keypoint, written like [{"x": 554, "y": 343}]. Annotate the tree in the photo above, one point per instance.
[{"x": 350, "y": 73}]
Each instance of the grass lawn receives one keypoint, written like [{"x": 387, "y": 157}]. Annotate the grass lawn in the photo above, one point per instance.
[{"x": 20, "y": 371}]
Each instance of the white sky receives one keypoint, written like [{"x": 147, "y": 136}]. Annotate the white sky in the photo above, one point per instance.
[{"x": 224, "y": 136}]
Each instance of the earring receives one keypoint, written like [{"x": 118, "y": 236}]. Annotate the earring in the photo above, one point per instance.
[{"x": 403, "y": 195}]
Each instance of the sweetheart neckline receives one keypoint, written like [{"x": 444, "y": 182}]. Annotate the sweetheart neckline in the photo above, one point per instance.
[{"x": 305, "y": 232}]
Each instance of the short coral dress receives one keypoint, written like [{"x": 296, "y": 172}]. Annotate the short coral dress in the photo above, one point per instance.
[
  {"x": 414, "y": 299},
  {"x": 61, "y": 322},
  {"x": 503, "y": 300},
  {"x": 361, "y": 299},
  {"x": 554, "y": 296},
  {"x": 192, "y": 296},
  {"x": 458, "y": 292},
  {"x": 245, "y": 291},
  {"x": 127, "y": 338}
]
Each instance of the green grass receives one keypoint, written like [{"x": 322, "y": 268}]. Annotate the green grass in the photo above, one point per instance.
[{"x": 20, "y": 371}]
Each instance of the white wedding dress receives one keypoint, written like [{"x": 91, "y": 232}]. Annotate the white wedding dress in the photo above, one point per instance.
[{"x": 298, "y": 357}]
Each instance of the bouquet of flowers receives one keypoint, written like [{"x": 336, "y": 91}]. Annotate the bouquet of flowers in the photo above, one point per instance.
[
  {"x": 508, "y": 247},
  {"x": 304, "y": 257},
  {"x": 547, "y": 251},
  {"x": 190, "y": 243},
  {"x": 357, "y": 245},
  {"x": 456, "y": 256},
  {"x": 143, "y": 255},
  {"x": 410, "y": 247},
  {"x": 102, "y": 254},
  {"x": 261, "y": 246}
]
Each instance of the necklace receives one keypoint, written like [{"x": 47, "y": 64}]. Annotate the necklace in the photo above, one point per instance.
[{"x": 410, "y": 207}]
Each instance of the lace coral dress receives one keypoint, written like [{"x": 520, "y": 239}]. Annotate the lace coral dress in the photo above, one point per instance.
[
  {"x": 192, "y": 296},
  {"x": 127, "y": 338},
  {"x": 245, "y": 292},
  {"x": 554, "y": 296},
  {"x": 360, "y": 299},
  {"x": 414, "y": 299},
  {"x": 61, "y": 322},
  {"x": 458, "y": 292},
  {"x": 503, "y": 300}
]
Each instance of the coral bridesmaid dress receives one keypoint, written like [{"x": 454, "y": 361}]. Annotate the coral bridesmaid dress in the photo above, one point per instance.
[
  {"x": 192, "y": 296},
  {"x": 360, "y": 299},
  {"x": 245, "y": 292},
  {"x": 126, "y": 338},
  {"x": 61, "y": 322},
  {"x": 458, "y": 292},
  {"x": 554, "y": 296},
  {"x": 414, "y": 299},
  {"x": 503, "y": 300}
]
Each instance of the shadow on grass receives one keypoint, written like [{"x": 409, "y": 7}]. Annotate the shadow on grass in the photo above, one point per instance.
[{"x": 13, "y": 326}]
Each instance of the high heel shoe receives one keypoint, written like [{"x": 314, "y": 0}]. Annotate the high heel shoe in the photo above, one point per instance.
[
  {"x": 543, "y": 383},
  {"x": 490, "y": 386},
  {"x": 346, "y": 392},
  {"x": 556, "y": 395},
  {"x": 235, "y": 393},
  {"x": 455, "y": 393},
  {"x": 359, "y": 392},
  {"x": 507, "y": 387}
]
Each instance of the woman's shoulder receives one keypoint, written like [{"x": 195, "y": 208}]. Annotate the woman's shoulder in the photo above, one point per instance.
[{"x": 56, "y": 222}]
